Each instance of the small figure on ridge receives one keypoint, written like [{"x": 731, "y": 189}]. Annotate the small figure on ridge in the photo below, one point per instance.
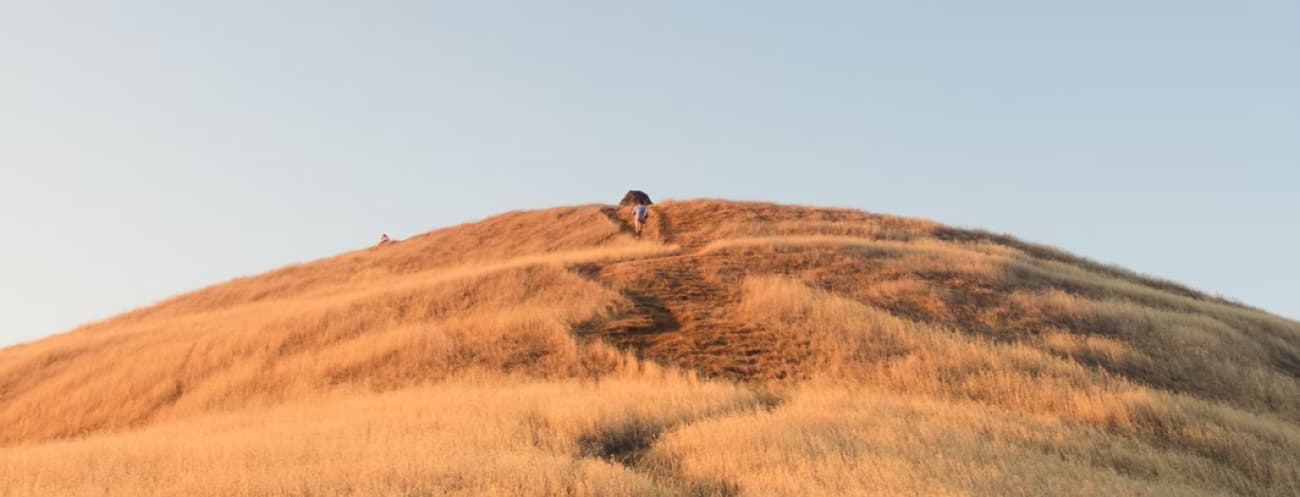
[
  {"x": 640, "y": 210},
  {"x": 640, "y": 213}
]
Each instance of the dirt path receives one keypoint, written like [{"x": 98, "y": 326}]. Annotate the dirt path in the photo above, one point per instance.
[
  {"x": 683, "y": 313},
  {"x": 661, "y": 226}
]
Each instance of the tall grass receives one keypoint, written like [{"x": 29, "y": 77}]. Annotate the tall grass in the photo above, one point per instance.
[
  {"x": 873, "y": 355},
  {"x": 855, "y": 345},
  {"x": 484, "y": 436},
  {"x": 513, "y": 316},
  {"x": 832, "y": 441}
]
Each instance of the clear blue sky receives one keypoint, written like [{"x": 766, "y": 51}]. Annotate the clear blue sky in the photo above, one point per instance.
[{"x": 148, "y": 148}]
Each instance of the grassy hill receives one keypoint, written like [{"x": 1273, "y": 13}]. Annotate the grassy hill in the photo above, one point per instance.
[{"x": 737, "y": 349}]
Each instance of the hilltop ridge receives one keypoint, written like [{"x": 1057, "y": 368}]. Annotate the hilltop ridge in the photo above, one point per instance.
[{"x": 772, "y": 296}]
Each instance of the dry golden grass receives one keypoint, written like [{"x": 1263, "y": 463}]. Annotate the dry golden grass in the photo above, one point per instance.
[
  {"x": 507, "y": 317},
  {"x": 843, "y": 353},
  {"x": 830, "y": 441},
  {"x": 486, "y": 436},
  {"x": 1235, "y": 448}
]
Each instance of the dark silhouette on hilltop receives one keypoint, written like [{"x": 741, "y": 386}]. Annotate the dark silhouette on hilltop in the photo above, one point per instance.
[{"x": 634, "y": 197}]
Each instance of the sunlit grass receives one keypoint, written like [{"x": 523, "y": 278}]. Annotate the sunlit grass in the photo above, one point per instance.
[{"x": 886, "y": 356}]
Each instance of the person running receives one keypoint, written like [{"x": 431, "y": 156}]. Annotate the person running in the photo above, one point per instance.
[{"x": 639, "y": 213}]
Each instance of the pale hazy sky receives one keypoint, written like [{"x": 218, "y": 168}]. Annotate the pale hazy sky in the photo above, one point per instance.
[{"x": 148, "y": 148}]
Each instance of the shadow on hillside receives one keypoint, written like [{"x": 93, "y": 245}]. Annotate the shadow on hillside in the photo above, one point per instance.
[
  {"x": 654, "y": 314},
  {"x": 630, "y": 446}
]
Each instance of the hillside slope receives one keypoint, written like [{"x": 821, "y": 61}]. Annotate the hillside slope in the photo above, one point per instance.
[{"x": 911, "y": 345}]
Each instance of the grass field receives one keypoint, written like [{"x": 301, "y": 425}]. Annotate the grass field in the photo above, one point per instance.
[{"x": 738, "y": 349}]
